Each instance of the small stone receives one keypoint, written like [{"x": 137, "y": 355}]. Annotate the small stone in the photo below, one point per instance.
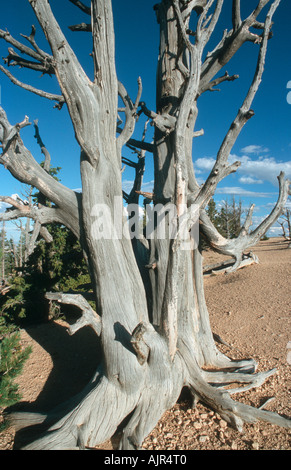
[
  {"x": 234, "y": 446},
  {"x": 197, "y": 425},
  {"x": 204, "y": 416},
  {"x": 203, "y": 439},
  {"x": 255, "y": 445}
]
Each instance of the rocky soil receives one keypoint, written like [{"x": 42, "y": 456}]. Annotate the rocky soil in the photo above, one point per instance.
[{"x": 249, "y": 310}]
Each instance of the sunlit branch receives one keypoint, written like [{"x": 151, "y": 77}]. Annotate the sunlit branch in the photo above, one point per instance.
[
  {"x": 236, "y": 17},
  {"x": 246, "y": 239},
  {"x": 130, "y": 111},
  {"x": 221, "y": 168},
  {"x": 44, "y": 94},
  {"x": 35, "y": 53}
]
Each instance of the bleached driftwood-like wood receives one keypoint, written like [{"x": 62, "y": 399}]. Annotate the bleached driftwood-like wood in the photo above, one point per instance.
[
  {"x": 89, "y": 316},
  {"x": 228, "y": 265}
]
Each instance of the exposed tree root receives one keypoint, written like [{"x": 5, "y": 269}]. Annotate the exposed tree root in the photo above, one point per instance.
[
  {"x": 219, "y": 399},
  {"x": 230, "y": 265},
  {"x": 103, "y": 405},
  {"x": 222, "y": 379}
]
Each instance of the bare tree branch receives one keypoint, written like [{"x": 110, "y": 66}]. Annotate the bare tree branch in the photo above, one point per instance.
[
  {"x": 82, "y": 6},
  {"x": 44, "y": 63},
  {"x": 221, "y": 168},
  {"x": 164, "y": 122},
  {"x": 130, "y": 114},
  {"x": 44, "y": 150},
  {"x": 42, "y": 93},
  {"x": 236, "y": 17},
  {"x": 284, "y": 187},
  {"x": 21, "y": 164},
  {"x": 235, "y": 247},
  {"x": 210, "y": 86},
  {"x": 89, "y": 316},
  {"x": 87, "y": 28},
  {"x": 137, "y": 144},
  {"x": 84, "y": 97},
  {"x": 213, "y": 19},
  {"x": 31, "y": 39},
  {"x": 42, "y": 215},
  {"x": 13, "y": 202},
  {"x": 14, "y": 59},
  {"x": 35, "y": 53},
  {"x": 231, "y": 42}
]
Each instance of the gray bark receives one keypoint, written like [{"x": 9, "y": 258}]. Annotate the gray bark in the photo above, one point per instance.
[{"x": 153, "y": 322}]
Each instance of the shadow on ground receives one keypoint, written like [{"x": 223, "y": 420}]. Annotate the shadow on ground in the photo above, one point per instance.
[{"x": 75, "y": 360}]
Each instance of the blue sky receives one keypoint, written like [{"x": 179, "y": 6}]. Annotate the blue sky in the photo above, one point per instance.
[{"x": 264, "y": 146}]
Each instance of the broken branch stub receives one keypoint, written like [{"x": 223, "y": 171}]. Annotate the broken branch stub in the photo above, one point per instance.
[{"x": 89, "y": 316}]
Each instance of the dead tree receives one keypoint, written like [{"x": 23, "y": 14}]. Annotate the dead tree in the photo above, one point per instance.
[
  {"x": 286, "y": 219},
  {"x": 150, "y": 313}
]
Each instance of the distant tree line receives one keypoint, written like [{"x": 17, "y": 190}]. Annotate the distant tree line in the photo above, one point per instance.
[{"x": 226, "y": 217}]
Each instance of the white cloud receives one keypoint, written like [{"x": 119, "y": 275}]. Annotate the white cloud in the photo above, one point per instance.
[
  {"x": 205, "y": 163},
  {"x": 263, "y": 168},
  {"x": 259, "y": 170},
  {"x": 238, "y": 191},
  {"x": 275, "y": 231},
  {"x": 254, "y": 149},
  {"x": 127, "y": 186},
  {"x": 3, "y": 206},
  {"x": 250, "y": 180}
]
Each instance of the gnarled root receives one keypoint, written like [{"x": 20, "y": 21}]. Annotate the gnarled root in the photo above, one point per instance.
[
  {"x": 219, "y": 400},
  {"x": 101, "y": 408},
  {"x": 105, "y": 404}
]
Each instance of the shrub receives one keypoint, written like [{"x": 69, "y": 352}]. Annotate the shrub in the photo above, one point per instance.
[{"x": 12, "y": 359}]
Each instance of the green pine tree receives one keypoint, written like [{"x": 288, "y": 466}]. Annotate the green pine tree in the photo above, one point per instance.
[{"x": 12, "y": 359}]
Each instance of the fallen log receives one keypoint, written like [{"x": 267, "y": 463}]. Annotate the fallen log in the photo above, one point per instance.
[{"x": 227, "y": 265}]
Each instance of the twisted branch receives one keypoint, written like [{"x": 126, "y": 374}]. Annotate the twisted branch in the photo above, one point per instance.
[
  {"x": 89, "y": 316},
  {"x": 245, "y": 240},
  {"x": 221, "y": 167}
]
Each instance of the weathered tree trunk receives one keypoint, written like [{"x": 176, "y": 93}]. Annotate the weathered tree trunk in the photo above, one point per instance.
[{"x": 153, "y": 324}]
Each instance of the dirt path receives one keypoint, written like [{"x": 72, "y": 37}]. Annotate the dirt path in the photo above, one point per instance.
[{"x": 249, "y": 309}]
